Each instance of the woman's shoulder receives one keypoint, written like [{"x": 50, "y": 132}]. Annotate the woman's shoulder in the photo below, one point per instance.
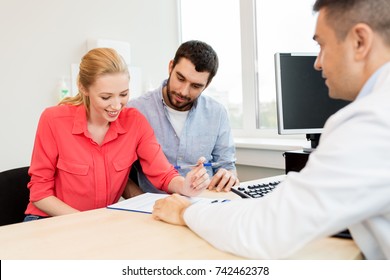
[
  {"x": 130, "y": 112},
  {"x": 131, "y": 117},
  {"x": 59, "y": 111}
]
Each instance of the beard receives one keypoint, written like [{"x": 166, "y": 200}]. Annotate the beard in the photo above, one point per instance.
[{"x": 184, "y": 105}]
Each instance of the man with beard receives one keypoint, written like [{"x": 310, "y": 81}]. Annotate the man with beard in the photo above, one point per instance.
[{"x": 187, "y": 124}]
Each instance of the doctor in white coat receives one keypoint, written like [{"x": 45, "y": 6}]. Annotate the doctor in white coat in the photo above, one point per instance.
[{"x": 346, "y": 182}]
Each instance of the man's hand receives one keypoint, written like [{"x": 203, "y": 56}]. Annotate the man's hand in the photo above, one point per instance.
[
  {"x": 223, "y": 180},
  {"x": 171, "y": 209}
]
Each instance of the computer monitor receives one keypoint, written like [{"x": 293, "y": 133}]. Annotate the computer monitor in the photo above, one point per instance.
[{"x": 303, "y": 103}]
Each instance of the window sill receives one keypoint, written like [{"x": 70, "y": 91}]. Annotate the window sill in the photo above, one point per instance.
[{"x": 265, "y": 152}]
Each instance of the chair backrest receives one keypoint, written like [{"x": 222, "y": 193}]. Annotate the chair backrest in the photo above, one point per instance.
[{"x": 14, "y": 195}]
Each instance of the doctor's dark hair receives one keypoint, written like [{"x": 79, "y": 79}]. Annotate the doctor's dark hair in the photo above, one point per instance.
[
  {"x": 342, "y": 15},
  {"x": 94, "y": 64},
  {"x": 201, "y": 55}
]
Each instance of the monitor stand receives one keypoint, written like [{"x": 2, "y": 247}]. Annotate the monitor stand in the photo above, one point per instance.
[{"x": 314, "y": 139}]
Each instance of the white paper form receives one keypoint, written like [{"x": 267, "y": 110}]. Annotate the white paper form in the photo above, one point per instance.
[{"x": 144, "y": 203}]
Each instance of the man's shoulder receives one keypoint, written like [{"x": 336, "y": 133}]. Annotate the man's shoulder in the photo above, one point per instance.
[
  {"x": 143, "y": 100},
  {"x": 208, "y": 103},
  {"x": 149, "y": 104}
]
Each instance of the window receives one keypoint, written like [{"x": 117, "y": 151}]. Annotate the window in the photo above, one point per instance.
[
  {"x": 282, "y": 26},
  {"x": 246, "y": 34},
  {"x": 217, "y": 22}
]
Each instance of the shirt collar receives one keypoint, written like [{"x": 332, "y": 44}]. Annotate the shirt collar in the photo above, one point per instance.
[
  {"x": 80, "y": 120},
  {"x": 80, "y": 124},
  {"x": 117, "y": 125},
  {"x": 369, "y": 85}
]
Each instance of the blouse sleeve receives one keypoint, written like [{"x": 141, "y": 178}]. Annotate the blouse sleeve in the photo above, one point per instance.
[
  {"x": 154, "y": 163},
  {"x": 43, "y": 161}
]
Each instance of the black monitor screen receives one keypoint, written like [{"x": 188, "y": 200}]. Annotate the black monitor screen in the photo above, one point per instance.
[{"x": 303, "y": 103}]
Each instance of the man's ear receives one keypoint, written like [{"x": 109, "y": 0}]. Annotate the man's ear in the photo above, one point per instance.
[
  {"x": 170, "y": 66},
  {"x": 363, "y": 36}
]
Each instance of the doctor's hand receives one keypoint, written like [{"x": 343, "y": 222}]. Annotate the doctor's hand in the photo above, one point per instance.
[
  {"x": 196, "y": 180},
  {"x": 171, "y": 209},
  {"x": 223, "y": 180}
]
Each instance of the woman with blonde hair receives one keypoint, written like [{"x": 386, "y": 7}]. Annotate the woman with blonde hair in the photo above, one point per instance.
[{"x": 85, "y": 146}]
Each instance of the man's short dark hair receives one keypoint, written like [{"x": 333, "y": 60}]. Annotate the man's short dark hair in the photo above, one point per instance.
[
  {"x": 342, "y": 15},
  {"x": 201, "y": 55}
]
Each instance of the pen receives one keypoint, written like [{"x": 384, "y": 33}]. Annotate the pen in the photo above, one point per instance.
[
  {"x": 211, "y": 164},
  {"x": 225, "y": 200}
]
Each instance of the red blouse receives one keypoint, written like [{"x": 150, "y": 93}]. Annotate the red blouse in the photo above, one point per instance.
[{"x": 68, "y": 164}]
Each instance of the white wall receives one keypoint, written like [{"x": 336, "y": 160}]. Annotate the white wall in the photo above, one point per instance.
[{"x": 40, "y": 39}]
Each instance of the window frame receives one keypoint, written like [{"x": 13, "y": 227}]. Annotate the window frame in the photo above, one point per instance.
[
  {"x": 251, "y": 94},
  {"x": 250, "y": 75}
]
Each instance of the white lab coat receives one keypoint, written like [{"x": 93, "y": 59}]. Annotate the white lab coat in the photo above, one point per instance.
[{"x": 345, "y": 184}]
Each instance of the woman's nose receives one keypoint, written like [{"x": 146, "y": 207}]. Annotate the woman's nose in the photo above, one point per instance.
[{"x": 116, "y": 104}]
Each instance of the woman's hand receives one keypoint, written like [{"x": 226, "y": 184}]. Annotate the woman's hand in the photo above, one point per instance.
[
  {"x": 196, "y": 180},
  {"x": 194, "y": 183}
]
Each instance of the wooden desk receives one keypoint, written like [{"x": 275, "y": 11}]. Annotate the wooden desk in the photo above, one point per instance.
[{"x": 123, "y": 235}]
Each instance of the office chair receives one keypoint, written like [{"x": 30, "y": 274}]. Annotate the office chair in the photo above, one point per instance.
[{"x": 14, "y": 195}]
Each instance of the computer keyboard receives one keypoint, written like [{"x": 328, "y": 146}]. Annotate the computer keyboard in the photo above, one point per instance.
[
  {"x": 258, "y": 188},
  {"x": 261, "y": 187}
]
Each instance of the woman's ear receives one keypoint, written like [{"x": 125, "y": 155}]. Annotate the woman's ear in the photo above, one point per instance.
[{"x": 82, "y": 89}]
